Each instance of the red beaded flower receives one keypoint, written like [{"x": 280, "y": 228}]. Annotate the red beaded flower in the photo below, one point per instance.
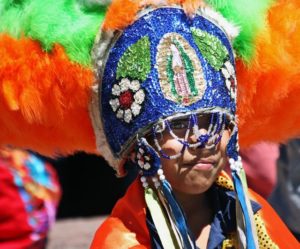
[{"x": 127, "y": 99}]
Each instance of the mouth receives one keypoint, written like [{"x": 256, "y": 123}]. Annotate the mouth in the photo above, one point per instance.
[{"x": 202, "y": 165}]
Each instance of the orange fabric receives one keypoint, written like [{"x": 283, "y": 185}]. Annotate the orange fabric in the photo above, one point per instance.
[
  {"x": 126, "y": 227},
  {"x": 128, "y": 220},
  {"x": 44, "y": 98},
  {"x": 277, "y": 230}
]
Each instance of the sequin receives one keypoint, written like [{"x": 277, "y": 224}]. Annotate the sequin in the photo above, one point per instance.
[
  {"x": 135, "y": 63},
  {"x": 211, "y": 48},
  {"x": 179, "y": 69}
]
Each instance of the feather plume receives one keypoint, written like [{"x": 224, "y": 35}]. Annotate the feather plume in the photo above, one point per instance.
[{"x": 44, "y": 98}]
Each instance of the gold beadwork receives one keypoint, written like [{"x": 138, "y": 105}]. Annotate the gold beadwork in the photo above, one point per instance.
[
  {"x": 264, "y": 240},
  {"x": 230, "y": 242},
  {"x": 224, "y": 182}
]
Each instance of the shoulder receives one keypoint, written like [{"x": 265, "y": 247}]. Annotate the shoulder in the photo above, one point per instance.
[{"x": 126, "y": 227}]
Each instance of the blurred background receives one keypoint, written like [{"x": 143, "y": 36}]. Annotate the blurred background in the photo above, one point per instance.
[{"x": 89, "y": 191}]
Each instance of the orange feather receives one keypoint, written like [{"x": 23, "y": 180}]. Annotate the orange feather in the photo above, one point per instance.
[
  {"x": 269, "y": 88},
  {"x": 44, "y": 99},
  {"x": 122, "y": 13}
]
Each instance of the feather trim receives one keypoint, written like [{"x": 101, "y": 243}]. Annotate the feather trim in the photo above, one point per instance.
[
  {"x": 230, "y": 29},
  {"x": 101, "y": 48}
]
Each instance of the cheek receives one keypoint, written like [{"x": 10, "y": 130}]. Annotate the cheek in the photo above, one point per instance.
[{"x": 223, "y": 143}]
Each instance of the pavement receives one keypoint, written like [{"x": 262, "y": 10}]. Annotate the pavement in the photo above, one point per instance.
[{"x": 73, "y": 233}]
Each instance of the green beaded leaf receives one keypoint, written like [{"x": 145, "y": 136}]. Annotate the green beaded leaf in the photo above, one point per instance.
[
  {"x": 210, "y": 47},
  {"x": 135, "y": 62}
]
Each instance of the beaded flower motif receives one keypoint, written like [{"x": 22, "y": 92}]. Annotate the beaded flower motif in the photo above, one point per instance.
[
  {"x": 143, "y": 160},
  {"x": 127, "y": 99},
  {"x": 230, "y": 79},
  {"x": 146, "y": 158}
]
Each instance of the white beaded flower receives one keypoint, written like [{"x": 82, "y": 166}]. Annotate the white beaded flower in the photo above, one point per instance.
[
  {"x": 127, "y": 99},
  {"x": 143, "y": 160},
  {"x": 230, "y": 79}
]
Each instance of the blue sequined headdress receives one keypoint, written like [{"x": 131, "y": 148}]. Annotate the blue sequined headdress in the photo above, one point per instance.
[{"x": 163, "y": 67}]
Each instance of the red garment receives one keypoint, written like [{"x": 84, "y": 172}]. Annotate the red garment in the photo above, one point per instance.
[
  {"x": 14, "y": 228},
  {"x": 29, "y": 194},
  {"x": 126, "y": 227}
]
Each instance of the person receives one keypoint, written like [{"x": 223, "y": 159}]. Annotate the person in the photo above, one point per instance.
[
  {"x": 160, "y": 68},
  {"x": 29, "y": 196},
  {"x": 167, "y": 102},
  {"x": 285, "y": 198}
]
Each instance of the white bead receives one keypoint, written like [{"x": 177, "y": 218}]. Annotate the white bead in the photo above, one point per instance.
[
  {"x": 231, "y": 161},
  {"x": 124, "y": 84},
  {"x": 147, "y": 166},
  {"x": 120, "y": 113},
  {"x": 154, "y": 179},
  {"x": 116, "y": 90},
  {"x": 162, "y": 177},
  {"x": 114, "y": 103},
  {"x": 143, "y": 179},
  {"x": 139, "y": 96},
  {"x": 134, "y": 85},
  {"x": 145, "y": 184},
  {"x": 135, "y": 108},
  {"x": 128, "y": 116},
  {"x": 160, "y": 172}
]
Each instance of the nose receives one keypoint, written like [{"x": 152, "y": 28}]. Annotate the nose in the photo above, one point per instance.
[{"x": 197, "y": 136}]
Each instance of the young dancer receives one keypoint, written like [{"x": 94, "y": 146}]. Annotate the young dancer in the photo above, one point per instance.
[
  {"x": 167, "y": 102},
  {"x": 162, "y": 68}
]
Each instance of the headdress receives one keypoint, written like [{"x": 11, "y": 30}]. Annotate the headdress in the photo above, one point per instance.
[{"x": 138, "y": 63}]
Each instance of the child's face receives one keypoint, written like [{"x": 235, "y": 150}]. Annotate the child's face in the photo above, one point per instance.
[{"x": 196, "y": 170}]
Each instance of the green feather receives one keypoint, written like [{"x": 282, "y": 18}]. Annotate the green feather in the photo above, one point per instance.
[
  {"x": 250, "y": 16},
  {"x": 71, "y": 23}
]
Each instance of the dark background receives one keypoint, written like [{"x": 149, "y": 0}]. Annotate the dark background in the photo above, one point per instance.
[{"x": 89, "y": 185}]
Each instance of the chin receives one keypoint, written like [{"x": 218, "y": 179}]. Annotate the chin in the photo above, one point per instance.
[{"x": 194, "y": 187}]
